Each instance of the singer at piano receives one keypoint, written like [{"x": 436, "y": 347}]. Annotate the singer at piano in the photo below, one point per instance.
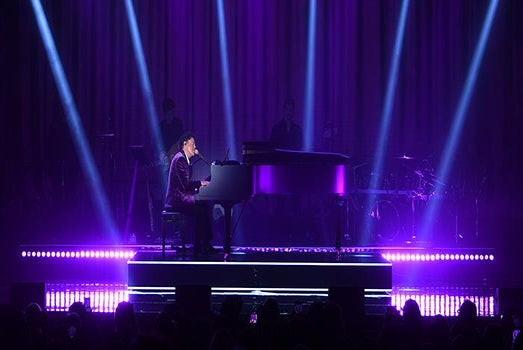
[{"x": 181, "y": 191}]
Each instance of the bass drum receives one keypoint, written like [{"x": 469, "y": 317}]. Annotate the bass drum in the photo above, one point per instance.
[{"x": 386, "y": 225}]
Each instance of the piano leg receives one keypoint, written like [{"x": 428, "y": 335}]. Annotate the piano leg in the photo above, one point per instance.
[
  {"x": 227, "y": 207},
  {"x": 339, "y": 215}
]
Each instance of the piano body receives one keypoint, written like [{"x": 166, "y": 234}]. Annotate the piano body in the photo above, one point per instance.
[{"x": 269, "y": 171}]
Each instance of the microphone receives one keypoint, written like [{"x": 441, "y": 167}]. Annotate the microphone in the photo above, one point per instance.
[{"x": 196, "y": 152}]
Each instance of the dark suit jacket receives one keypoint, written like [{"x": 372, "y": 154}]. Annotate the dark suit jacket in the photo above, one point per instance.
[
  {"x": 285, "y": 138},
  {"x": 180, "y": 188}
]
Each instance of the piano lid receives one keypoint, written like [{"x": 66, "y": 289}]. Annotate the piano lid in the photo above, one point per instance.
[{"x": 265, "y": 153}]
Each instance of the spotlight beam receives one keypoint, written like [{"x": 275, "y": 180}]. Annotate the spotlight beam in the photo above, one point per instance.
[
  {"x": 386, "y": 112},
  {"x": 459, "y": 117},
  {"x": 145, "y": 82},
  {"x": 309, "y": 83},
  {"x": 75, "y": 124},
  {"x": 226, "y": 82}
]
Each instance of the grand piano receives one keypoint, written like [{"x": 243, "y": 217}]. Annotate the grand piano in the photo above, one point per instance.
[{"x": 268, "y": 170}]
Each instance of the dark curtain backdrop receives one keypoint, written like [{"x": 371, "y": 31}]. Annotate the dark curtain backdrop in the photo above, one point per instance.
[{"x": 267, "y": 45}]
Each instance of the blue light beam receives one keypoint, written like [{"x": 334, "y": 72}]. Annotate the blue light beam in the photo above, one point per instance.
[
  {"x": 459, "y": 119},
  {"x": 226, "y": 83},
  {"x": 386, "y": 113},
  {"x": 145, "y": 82},
  {"x": 309, "y": 80},
  {"x": 75, "y": 125}
]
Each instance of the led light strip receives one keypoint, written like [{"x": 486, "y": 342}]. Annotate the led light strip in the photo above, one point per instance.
[
  {"x": 253, "y": 263},
  {"x": 82, "y": 254},
  {"x": 414, "y": 257}
]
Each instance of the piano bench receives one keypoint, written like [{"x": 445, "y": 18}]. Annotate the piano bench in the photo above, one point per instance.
[{"x": 178, "y": 221}]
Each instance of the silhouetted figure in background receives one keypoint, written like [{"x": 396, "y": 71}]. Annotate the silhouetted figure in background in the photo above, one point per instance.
[
  {"x": 35, "y": 322},
  {"x": 126, "y": 327},
  {"x": 229, "y": 317},
  {"x": 412, "y": 325},
  {"x": 465, "y": 334},
  {"x": 286, "y": 133},
  {"x": 331, "y": 137},
  {"x": 438, "y": 333},
  {"x": 171, "y": 127},
  {"x": 269, "y": 327}
]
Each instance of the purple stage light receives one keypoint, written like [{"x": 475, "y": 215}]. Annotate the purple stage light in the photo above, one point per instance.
[
  {"x": 228, "y": 108},
  {"x": 436, "y": 257},
  {"x": 99, "y": 254}
]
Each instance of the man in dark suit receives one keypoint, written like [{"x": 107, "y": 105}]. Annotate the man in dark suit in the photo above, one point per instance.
[
  {"x": 181, "y": 191},
  {"x": 171, "y": 127},
  {"x": 286, "y": 133}
]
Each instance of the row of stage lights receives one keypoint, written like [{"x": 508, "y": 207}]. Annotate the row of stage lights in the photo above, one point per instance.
[
  {"x": 96, "y": 254},
  {"x": 127, "y": 254},
  {"x": 397, "y": 257}
]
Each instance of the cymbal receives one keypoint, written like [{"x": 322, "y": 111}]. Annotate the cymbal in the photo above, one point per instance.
[{"x": 404, "y": 157}]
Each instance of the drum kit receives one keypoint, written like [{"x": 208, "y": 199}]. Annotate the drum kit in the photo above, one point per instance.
[{"x": 405, "y": 187}]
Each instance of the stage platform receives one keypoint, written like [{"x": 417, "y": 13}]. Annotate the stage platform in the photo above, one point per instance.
[
  {"x": 282, "y": 270},
  {"x": 301, "y": 276}
]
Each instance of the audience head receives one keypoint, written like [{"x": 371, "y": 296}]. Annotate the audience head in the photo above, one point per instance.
[
  {"x": 467, "y": 311},
  {"x": 34, "y": 316},
  {"x": 269, "y": 312},
  {"x": 78, "y": 307},
  {"x": 124, "y": 317},
  {"x": 411, "y": 311}
]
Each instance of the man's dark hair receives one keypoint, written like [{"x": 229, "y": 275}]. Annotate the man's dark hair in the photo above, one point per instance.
[{"x": 186, "y": 136}]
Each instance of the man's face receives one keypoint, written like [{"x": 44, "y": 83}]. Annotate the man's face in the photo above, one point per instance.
[{"x": 189, "y": 147}]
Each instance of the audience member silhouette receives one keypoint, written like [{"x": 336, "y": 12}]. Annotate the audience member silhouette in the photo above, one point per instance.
[
  {"x": 412, "y": 325},
  {"x": 35, "y": 323},
  {"x": 464, "y": 334},
  {"x": 126, "y": 327},
  {"x": 229, "y": 317},
  {"x": 438, "y": 333}
]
